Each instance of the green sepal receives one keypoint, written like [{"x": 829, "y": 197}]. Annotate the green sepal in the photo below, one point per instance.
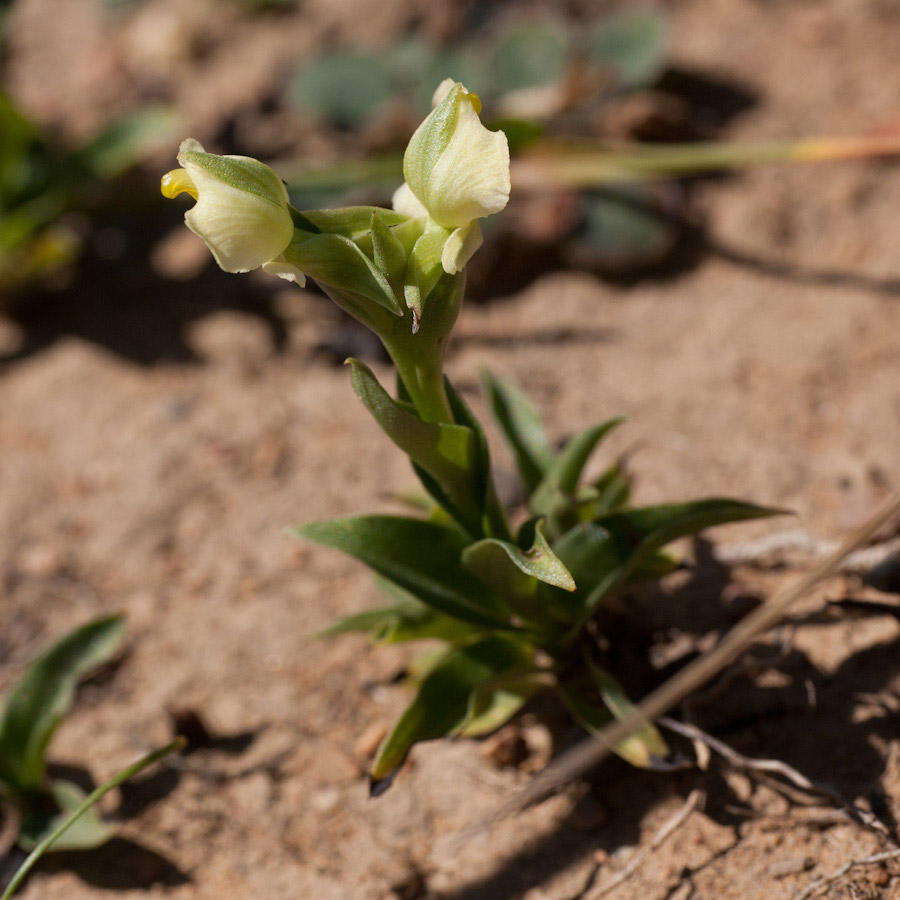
[
  {"x": 38, "y": 702},
  {"x": 420, "y": 556},
  {"x": 86, "y": 833},
  {"x": 521, "y": 425},
  {"x": 244, "y": 174},
  {"x": 336, "y": 262},
  {"x": 430, "y": 140},
  {"x": 442, "y": 702}
]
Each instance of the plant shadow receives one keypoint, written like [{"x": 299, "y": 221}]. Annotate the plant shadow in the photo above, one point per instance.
[
  {"x": 791, "y": 715},
  {"x": 122, "y": 864}
]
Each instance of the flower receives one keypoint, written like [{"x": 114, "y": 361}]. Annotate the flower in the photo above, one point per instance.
[
  {"x": 457, "y": 171},
  {"x": 241, "y": 213}
]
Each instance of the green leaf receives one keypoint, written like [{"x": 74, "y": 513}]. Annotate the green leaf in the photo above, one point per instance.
[
  {"x": 613, "y": 489},
  {"x": 444, "y": 451},
  {"x": 422, "y": 557},
  {"x": 442, "y": 703},
  {"x": 87, "y": 832},
  {"x": 344, "y": 87},
  {"x": 633, "y": 45},
  {"x": 522, "y": 428},
  {"x": 335, "y": 261},
  {"x": 490, "y": 520},
  {"x": 40, "y": 700},
  {"x": 588, "y": 694},
  {"x": 495, "y": 703},
  {"x": 71, "y": 821},
  {"x": 407, "y": 619},
  {"x": 561, "y": 479},
  {"x": 636, "y": 534},
  {"x": 516, "y": 575},
  {"x": 493, "y": 514}
]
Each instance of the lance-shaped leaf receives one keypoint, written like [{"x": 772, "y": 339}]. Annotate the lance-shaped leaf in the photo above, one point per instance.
[
  {"x": 561, "y": 479},
  {"x": 493, "y": 513},
  {"x": 422, "y": 557},
  {"x": 613, "y": 489},
  {"x": 406, "y": 619},
  {"x": 44, "y": 695},
  {"x": 442, "y": 702},
  {"x": 87, "y": 832},
  {"x": 493, "y": 704},
  {"x": 489, "y": 519},
  {"x": 522, "y": 428},
  {"x": 516, "y": 575},
  {"x": 594, "y": 698},
  {"x": 335, "y": 261},
  {"x": 446, "y": 452},
  {"x": 637, "y": 534}
]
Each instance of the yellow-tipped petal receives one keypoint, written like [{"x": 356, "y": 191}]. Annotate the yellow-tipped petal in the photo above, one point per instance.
[
  {"x": 242, "y": 208},
  {"x": 176, "y": 182},
  {"x": 457, "y": 168}
]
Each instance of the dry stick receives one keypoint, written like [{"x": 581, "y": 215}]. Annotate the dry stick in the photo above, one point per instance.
[
  {"x": 776, "y": 766},
  {"x": 820, "y": 883},
  {"x": 694, "y": 800},
  {"x": 583, "y": 757}
]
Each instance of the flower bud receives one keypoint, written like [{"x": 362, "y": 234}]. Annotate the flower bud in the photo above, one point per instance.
[
  {"x": 457, "y": 171},
  {"x": 241, "y": 212}
]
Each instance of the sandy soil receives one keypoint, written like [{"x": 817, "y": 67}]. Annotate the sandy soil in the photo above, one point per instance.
[{"x": 135, "y": 478}]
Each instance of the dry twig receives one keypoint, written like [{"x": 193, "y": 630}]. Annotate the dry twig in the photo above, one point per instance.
[
  {"x": 694, "y": 800},
  {"x": 827, "y": 880},
  {"x": 584, "y": 757},
  {"x": 777, "y": 767}
]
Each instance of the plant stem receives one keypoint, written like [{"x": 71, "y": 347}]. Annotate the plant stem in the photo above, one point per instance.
[{"x": 86, "y": 804}]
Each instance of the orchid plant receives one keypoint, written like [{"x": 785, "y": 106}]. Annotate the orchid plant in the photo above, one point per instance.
[{"x": 517, "y": 610}]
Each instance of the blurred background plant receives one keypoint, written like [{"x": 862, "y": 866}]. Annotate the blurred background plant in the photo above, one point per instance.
[
  {"x": 44, "y": 182},
  {"x": 34, "y": 801}
]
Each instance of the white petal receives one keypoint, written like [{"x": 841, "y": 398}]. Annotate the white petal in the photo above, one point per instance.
[
  {"x": 469, "y": 179},
  {"x": 283, "y": 269},
  {"x": 242, "y": 229},
  {"x": 406, "y": 203},
  {"x": 460, "y": 247}
]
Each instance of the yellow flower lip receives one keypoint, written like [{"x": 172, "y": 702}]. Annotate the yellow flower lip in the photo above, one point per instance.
[{"x": 177, "y": 182}]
